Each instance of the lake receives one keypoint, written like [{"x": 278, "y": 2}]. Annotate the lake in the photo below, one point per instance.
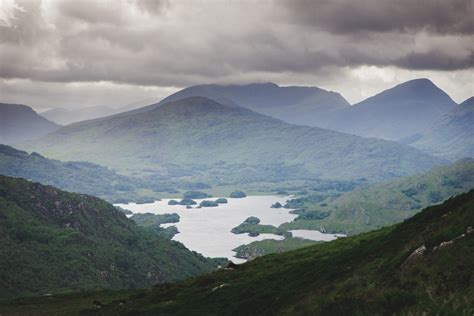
[{"x": 207, "y": 230}]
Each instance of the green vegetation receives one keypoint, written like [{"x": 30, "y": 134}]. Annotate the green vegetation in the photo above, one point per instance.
[
  {"x": 264, "y": 247},
  {"x": 421, "y": 266},
  {"x": 207, "y": 203},
  {"x": 82, "y": 177},
  {"x": 277, "y": 205},
  {"x": 187, "y": 202},
  {"x": 221, "y": 201},
  {"x": 54, "y": 241},
  {"x": 237, "y": 194},
  {"x": 252, "y": 226},
  {"x": 372, "y": 207},
  {"x": 199, "y": 140},
  {"x": 149, "y": 219},
  {"x": 195, "y": 195}
]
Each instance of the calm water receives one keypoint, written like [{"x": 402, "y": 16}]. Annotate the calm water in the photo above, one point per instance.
[{"x": 207, "y": 230}]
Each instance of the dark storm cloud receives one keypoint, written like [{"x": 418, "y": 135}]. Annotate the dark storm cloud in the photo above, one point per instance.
[{"x": 348, "y": 16}]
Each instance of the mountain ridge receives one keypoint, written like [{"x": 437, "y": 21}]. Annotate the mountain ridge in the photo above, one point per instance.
[
  {"x": 215, "y": 141},
  {"x": 20, "y": 122}
]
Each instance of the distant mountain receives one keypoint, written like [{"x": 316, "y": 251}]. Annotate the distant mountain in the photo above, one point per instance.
[
  {"x": 202, "y": 139},
  {"x": 67, "y": 116},
  {"x": 396, "y": 113},
  {"x": 451, "y": 137},
  {"x": 54, "y": 241},
  {"x": 20, "y": 122},
  {"x": 81, "y": 177},
  {"x": 386, "y": 203},
  {"x": 299, "y": 105},
  {"x": 421, "y": 266}
]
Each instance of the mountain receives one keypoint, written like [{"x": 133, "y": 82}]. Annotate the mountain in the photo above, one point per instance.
[
  {"x": 299, "y": 105},
  {"x": 386, "y": 203},
  {"x": 396, "y": 113},
  {"x": 198, "y": 138},
  {"x": 55, "y": 241},
  {"x": 67, "y": 116},
  {"x": 421, "y": 266},
  {"x": 81, "y": 177},
  {"x": 20, "y": 122},
  {"x": 451, "y": 137}
]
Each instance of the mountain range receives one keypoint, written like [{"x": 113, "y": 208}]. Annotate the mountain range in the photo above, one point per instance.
[
  {"x": 20, "y": 123},
  {"x": 399, "y": 112},
  {"x": 198, "y": 138},
  {"x": 299, "y": 105}
]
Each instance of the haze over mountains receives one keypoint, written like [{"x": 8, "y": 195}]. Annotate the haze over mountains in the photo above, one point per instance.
[
  {"x": 199, "y": 138},
  {"x": 20, "y": 123},
  {"x": 65, "y": 116},
  {"x": 310, "y": 106},
  {"x": 452, "y": 136},
  {"x": 395, "y": 113}
]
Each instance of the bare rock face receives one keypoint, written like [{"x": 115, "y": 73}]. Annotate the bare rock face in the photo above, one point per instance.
[{"x": 415, "y": 256}]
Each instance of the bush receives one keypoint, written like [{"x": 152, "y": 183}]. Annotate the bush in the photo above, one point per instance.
[
  {"x": 221, "y": 201},
  {"x": 238, "y": 194},
  {"x": 207, "y": 203},
  {"x": 252, "y": 220},
  {"x": 195, "y": 195},
  {"x": 187, "y": 202}
]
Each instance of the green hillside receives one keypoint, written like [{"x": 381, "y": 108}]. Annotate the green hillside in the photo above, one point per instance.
[
  {"x": 81, "y": 177},
  {"x": 423, "y": 266},
  {"x": 53, "y": 241},
  {"x": 383, "y": 204},
  {"x": 197, "y": 138}
]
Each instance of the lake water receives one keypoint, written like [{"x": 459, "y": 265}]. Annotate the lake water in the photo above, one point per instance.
[
  {"x": 207, "y": 230},
  {"x": 315, "y": 235}
]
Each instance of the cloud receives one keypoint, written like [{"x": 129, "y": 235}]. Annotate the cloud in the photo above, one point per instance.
[
  {"x": 348, "y": 16},
  {"x": 175, "y": 44}
]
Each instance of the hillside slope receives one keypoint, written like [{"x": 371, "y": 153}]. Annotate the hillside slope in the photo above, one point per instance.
[
  {"x": 202, "y": 139},
  {"x": 80, "y": 177},
  {"x": 54, "y": 241},
  {"x": 421, "y": 266},
  {"x": 20, "y": 122},
  {"x": 399, "y": 112},
  {"x": 385, "y": 203},
  {"x": 451, "y": 137}
]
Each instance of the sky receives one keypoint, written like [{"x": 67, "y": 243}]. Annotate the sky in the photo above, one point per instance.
[{"x": 74, "y": 53}]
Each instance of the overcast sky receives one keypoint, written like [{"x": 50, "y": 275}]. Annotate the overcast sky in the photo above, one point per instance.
[{"x": 110, "y": 52}]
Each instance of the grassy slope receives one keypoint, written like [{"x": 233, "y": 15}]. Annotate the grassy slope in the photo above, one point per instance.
[
  {"x": 360, "y": 275},
  {"x": 54, "y": 241},
  {"x": 383, "y": 204},
  {"x": 221, "y": 144}
]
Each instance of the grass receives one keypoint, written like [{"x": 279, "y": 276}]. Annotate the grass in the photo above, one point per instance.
[{"x": 365, "y": 274}]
